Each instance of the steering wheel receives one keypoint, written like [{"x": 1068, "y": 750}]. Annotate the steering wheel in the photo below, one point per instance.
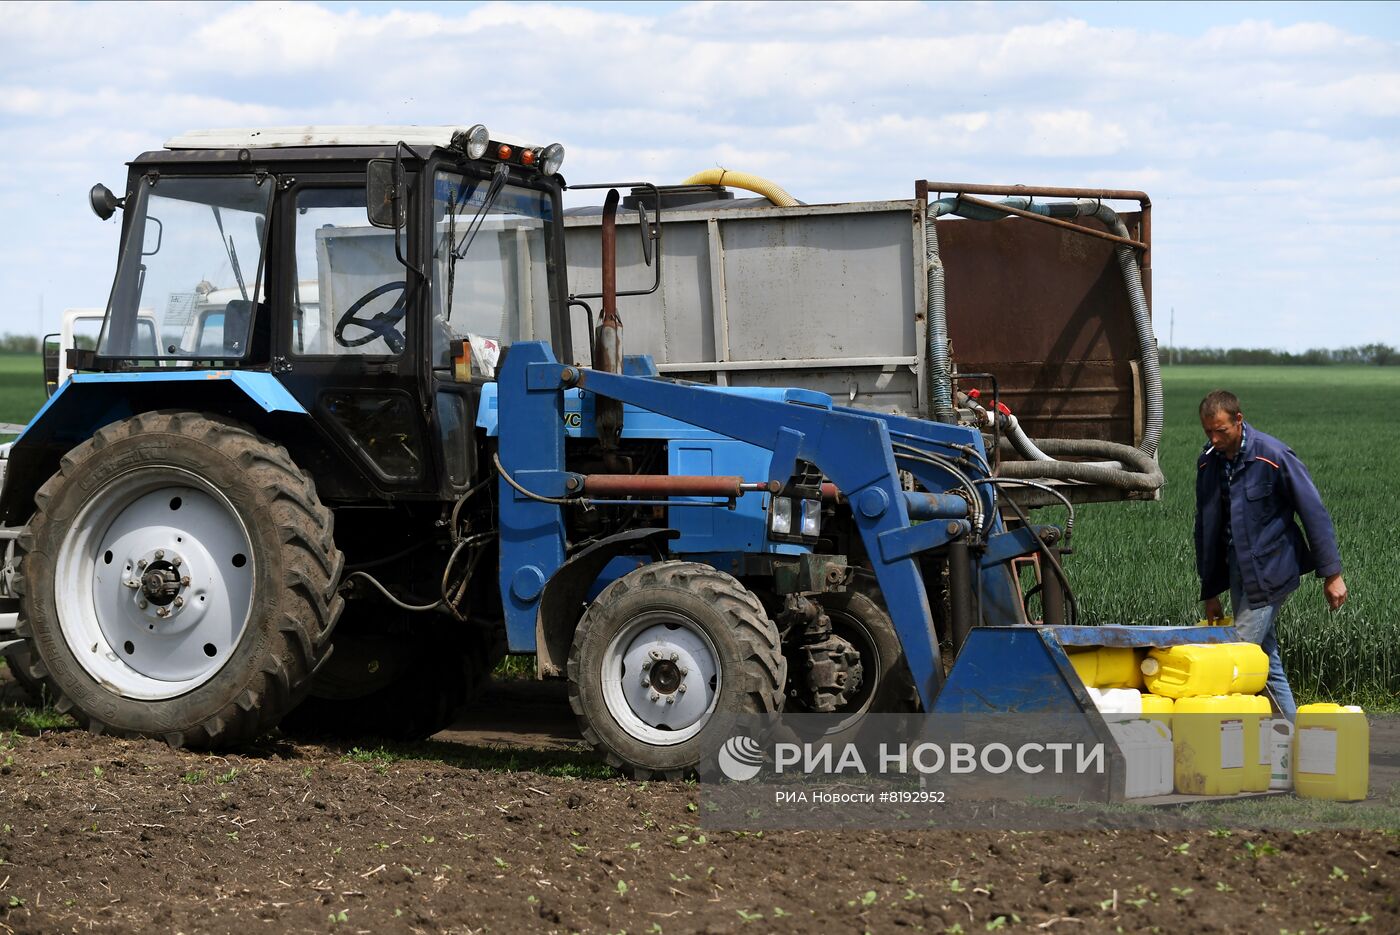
[{"x": 382, "y": 324}]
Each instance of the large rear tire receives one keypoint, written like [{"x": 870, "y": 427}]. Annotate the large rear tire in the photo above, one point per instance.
[
  {"x": 178, "y": 580},
  {"x": 663, "y": 662}
]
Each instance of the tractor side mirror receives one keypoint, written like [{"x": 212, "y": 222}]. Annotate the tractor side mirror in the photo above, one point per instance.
[
  {"x": 104, "y": 203},
  {"x": 384, "y": 201}
]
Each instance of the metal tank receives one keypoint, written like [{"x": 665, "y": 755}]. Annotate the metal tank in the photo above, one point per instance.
[{"x": 834, "y": 297}]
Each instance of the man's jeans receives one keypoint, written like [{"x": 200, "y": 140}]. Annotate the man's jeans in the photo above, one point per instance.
[{"x": 1256, "y": 624}]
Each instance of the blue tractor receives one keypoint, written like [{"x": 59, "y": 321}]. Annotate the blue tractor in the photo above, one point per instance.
[{"x": 337, "y": 451}]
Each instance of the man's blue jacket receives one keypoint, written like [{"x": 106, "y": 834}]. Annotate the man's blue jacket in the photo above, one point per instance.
[{"x": 1270, "y": 487}]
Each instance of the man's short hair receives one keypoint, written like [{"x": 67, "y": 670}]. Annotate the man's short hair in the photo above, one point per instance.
[{"x": 1220, "y": 401}]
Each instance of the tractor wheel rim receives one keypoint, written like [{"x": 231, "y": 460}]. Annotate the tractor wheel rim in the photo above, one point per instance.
[
  {"x": 661, "y": 678},
  {"x": 154, "y": 583}
]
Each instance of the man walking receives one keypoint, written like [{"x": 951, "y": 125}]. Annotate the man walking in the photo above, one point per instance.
[{"x": 1249, "y": 488}]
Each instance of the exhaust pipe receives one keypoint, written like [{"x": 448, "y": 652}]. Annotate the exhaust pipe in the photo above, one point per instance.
[{"x": 607, "y": 342}]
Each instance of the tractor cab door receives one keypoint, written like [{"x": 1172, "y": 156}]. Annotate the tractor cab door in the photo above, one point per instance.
[{"x": 346, "y": 348}]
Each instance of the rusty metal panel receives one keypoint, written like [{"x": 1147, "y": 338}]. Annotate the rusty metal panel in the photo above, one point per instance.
[
  {"x": 1079, "y": 399},
  {"x": 1046, "y": 310}
]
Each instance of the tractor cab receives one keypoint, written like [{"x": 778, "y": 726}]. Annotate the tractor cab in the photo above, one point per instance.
[{"x": 377, "y": 272}]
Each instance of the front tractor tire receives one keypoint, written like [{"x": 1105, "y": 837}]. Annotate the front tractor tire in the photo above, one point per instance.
[
  {"x": 664, "y": 660},
  {"x": 178, "y": 580}
]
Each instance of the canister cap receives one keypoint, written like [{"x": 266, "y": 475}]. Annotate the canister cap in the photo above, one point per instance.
[{"x": 1150, "y": 667}]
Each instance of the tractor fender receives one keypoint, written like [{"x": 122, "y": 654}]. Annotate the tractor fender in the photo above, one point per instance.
[
  {"x": 561, "y": 602},
  {"x": 88, "y": 401}
]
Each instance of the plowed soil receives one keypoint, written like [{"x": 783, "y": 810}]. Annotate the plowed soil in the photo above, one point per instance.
[{"x": 100, "y": 834}]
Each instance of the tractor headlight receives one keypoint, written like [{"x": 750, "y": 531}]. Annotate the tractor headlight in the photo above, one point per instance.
[
  {"x": 478, "y": 138},
  {"x": 551, "y": 158},
  {"x": 780, "y": 517},
  {"x": 811, "y": 518}
]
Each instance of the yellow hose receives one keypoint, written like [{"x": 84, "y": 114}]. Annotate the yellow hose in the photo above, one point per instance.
[{"x": 754, "y": 183}]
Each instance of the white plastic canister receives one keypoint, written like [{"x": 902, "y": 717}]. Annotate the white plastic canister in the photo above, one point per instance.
[
  {"x": 1117, "y": 704},
  {"x": 1160, "y": 738},
  {"x": 1147, "y": 755}
]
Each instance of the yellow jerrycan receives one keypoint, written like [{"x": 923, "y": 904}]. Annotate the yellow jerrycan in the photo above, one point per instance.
[
  {"x": 1192, "y": 670},
  {"x": 1208, "y": 744},
  {"x": 1157, "y": 708},
  {"x": 1251, "y": 668},
  {"x": 1331, "y": 752},
  {"x": 1108, "y": 667}
]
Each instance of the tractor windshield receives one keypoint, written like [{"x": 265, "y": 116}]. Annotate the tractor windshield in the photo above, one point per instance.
[
  {"x": 191, "y": 264},
  {"x": 489, "y": 267}
]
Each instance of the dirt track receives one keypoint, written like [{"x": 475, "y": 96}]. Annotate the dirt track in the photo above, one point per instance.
[{"x": 112, "y": 835}]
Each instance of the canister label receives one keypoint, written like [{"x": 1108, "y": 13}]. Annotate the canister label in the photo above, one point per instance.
[
  {"x": 1266, "y": 752},
  {"x": 1317, "y": 751},
  {"x": 1232, "y": 744}
]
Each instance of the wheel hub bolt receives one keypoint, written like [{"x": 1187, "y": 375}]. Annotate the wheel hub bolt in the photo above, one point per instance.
[
  {"x": 646, "y": 682},
  {"x": 141, "y": 563},
  {"x": 185, "y": 581},
  {"x": 646, "y": 665},
  {"x": 675, "y": 656},
  {"x": 655, "y": 696},
  {"x": 160, "y": 554},
  {"x": 670, "y": 699},
  {"x": 176, "y": 561},
  {"x": 142, "y": 604},
  {"x": 179, "y": 602},
  {"x": 162, "y": 611},
  {"x": 681, "y": 689}
]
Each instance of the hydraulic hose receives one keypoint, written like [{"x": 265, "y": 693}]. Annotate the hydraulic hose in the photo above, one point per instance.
[{"x": 753, "y": 183}]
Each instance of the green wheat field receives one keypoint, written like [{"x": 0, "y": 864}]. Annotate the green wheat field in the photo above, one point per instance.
[{"x": 1133, "y": 562}]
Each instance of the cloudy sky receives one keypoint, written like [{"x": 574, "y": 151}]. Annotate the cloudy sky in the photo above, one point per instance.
[{"x": 1268, "y": 135}]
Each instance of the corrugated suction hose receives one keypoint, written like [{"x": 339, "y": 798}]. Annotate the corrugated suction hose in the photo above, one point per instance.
[{"x": 753, "y": 183}]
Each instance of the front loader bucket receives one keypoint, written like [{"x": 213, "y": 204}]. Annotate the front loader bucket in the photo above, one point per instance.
[{"x": 1024, "y": 672}]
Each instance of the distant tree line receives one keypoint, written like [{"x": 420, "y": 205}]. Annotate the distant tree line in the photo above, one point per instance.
[
  {"x": 1374, "y": 355},
  {"x": 19, "y": 344},
  {"x": 29, "y": 344}
]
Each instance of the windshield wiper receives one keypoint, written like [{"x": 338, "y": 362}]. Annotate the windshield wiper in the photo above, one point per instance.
[
  {"x": 498, "y": 181},
  {"x": 232, "y": 253},
  {"x": 459, "y": 249}
]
